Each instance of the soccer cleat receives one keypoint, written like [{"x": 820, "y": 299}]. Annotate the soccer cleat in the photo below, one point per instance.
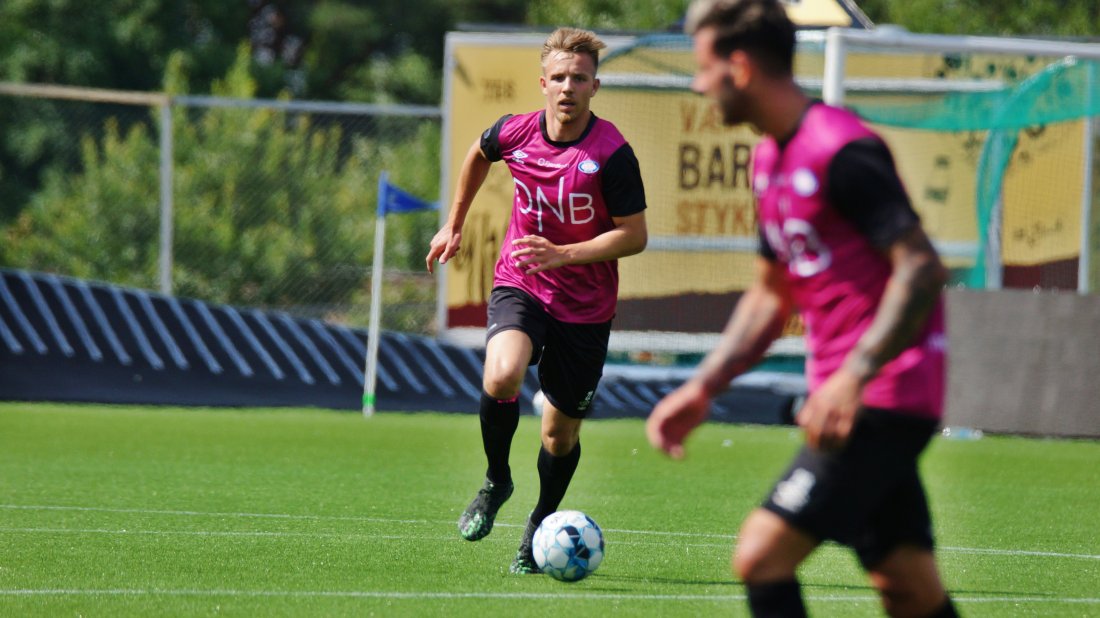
[
  {"x": 476, "y": 521},
  {"x": 525, "y": 564}
]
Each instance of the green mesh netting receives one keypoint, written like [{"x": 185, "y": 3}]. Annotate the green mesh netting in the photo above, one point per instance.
[{"x": 1065, "y": 90}]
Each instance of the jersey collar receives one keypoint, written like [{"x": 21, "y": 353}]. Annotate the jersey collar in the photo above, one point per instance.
[{"x": 546, "y": 136}]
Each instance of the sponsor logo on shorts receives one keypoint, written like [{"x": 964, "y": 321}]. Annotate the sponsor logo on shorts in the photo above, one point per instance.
[
  {"x": 587, "y": 401},
  {"x": 793, "y": 493}
]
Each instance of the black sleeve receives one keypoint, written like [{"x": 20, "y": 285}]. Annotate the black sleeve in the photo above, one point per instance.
[
  {"x": 622, "y": 183},
  {"x": 864, "y": 186},
  {"x": 490, "y": 140}
]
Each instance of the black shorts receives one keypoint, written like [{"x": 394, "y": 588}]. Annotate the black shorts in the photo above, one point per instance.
[
  {"x": 867, "y": 495},
  {"x": 570, "y": 356}
]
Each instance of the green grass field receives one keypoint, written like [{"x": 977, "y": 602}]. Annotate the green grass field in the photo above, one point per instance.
[{"x": 129, "y": 511}]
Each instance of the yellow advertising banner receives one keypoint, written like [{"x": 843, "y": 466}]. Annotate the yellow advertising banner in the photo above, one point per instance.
[
  {"x": 696, "y": 172},
  {"x": 485, "y": 81},
  {"x": 819, "y": 13},
  {"x": 1042, "y": 195}
]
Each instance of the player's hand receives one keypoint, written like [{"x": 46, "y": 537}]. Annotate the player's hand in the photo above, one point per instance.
[
  {"x": 534, "y": 254},
  {"x": 830, "y": 413},
  {"x": 443, "y": 247},
  {"x": 675, "y": 416}
]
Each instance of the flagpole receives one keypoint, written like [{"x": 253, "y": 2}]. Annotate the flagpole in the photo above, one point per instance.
[
  {"x": 390, "y": 200},
  {"x": 374, "y": 332}
]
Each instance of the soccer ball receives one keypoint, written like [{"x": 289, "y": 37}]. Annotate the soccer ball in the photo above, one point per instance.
[{"x": 568, "y": 546}]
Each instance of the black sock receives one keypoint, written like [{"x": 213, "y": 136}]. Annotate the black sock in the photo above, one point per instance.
[
  {"x": 554, "y": 476},
  {"x": 776, "y": 599},
  {"x": 499, "y": 420},
  {"x": 947, "y": 610}
]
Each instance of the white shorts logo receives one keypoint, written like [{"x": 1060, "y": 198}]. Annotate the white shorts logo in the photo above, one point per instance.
[
  {"x": 587, "y": 401},
  {"x": 793, "y": 493}
]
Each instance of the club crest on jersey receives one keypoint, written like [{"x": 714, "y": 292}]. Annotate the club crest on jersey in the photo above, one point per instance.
[
  {"x": 588, "y": 166},
  {"x": 804, "y": 182}
]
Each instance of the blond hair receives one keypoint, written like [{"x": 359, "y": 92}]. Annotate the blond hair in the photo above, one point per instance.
[{"x": 573, "y": 41}]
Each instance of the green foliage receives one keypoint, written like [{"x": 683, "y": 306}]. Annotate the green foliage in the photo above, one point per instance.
[
  {"x": 608, "y": 14},
  {"x": 267, "y": 205},
  {"x": 989, "y": 17},
  {"x": 69, "y": 224}
]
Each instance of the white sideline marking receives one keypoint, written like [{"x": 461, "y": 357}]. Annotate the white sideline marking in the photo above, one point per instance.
[
  {"x": 557, "y": 596},
  {"x": 228, "y": 533},
  {"x": 1017, "y": 552},
  {"x": 31, "y": 507},
  {"x": 281, "y": 534},
  {"x": 35, "y": 507},
  {"x": 28, "y": 507}
]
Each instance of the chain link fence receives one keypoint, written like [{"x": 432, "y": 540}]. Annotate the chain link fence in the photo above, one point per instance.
[{"x": 260, "y": 204}]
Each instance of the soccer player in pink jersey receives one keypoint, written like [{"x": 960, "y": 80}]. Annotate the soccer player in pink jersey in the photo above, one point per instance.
[
  {"x": 840, "y": 241},
  {"x": 579, "y": 205}
]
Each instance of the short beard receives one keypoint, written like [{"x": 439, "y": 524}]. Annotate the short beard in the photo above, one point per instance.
[
  {"x": 564, "y": 118},
  {"x": 730, "y": 101}
]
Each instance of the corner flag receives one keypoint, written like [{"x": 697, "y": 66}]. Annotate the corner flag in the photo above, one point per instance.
[{"x": 391, "y": 200}]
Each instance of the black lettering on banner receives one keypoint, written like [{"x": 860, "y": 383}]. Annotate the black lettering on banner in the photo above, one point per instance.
[
  {"x": 689, "y": 166},
  {"x": 498, "y": 90},
  {"x": 742, "y": 159},
  {"x": 734, "y": 216},
  {"x": 727, "y": 166},
  {"x": 716, "y": 169}
]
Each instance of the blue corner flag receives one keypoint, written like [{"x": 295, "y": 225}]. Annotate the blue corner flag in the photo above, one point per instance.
[{"x": 394, "y": 200}]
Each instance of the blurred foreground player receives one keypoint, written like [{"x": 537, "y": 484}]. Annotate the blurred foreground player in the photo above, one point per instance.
[{"x": 840, "y": 241}]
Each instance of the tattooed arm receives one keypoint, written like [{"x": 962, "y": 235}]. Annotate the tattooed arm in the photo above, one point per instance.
[
  {"x": 755, "y": 323},
  {"x": 911, "y": 293}
]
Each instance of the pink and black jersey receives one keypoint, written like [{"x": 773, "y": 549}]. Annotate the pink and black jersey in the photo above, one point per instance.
[
  {"x": 829, "y": 203},
  {"x": 566, "y": 193}
]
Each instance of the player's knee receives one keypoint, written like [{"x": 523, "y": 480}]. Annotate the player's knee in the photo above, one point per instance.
[
  {"x": 760, "y": 555},
  {"x": 749, "y": 563},
  {"x": 908, "y": 582},
  {"x": 503, "y": 382},
  {"x": 896, "y": 596},
  {"x": 559, "y": 443},
  {"x": 905, "y": 597}
]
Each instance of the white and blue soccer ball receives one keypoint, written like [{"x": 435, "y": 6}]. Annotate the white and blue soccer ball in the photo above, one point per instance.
[{"x": 568, "y": 546}]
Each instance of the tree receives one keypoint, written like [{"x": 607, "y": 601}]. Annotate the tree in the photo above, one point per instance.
[
  {"x": 268, "y": 205},
  {"x": 660, "y": 15},
  {"x": 118, "y": 44},
  {"x": 989, "y": 17},
  {"x": 357, "y": 50}
]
